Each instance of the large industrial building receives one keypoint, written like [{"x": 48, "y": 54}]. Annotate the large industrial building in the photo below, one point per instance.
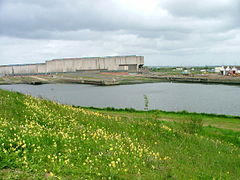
[{"x": 109, "y": 63}]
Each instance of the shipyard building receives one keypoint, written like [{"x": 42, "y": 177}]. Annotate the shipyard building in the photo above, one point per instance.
[{"x": 101, "y": 64}]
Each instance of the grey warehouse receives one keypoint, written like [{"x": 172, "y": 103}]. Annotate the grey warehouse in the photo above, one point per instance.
[{"x": 109, "y": 63}]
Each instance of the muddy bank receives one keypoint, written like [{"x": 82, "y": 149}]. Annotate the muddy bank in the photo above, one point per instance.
[
  {"x": 111, "y": 79},
  {"x": 207, "y": 80}
]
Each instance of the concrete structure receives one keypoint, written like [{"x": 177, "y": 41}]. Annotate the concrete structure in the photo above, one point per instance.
[{"x": 109, "y": 63}]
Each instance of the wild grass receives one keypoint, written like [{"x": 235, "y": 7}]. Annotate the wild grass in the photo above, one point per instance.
[{"x": 42, "y": 139}]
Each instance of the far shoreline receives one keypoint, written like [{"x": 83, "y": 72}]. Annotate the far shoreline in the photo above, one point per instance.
[{"x": 114, "y": 79}]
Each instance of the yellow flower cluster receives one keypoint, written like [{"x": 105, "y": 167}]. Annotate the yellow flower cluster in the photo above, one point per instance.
[
  {"x": 166, "y": 128},
  {"x": 58, "y": 136}
]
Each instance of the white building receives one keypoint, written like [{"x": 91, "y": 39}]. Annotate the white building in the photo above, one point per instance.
[{"x": 227, "y": 70}]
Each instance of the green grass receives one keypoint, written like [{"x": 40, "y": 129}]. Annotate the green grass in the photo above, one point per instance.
[
  {"x": 215, "y": 120},
  {"x": 41, "y": 139}
]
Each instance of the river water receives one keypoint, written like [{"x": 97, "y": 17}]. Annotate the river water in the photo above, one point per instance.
[{"x": 219, "y": 99}]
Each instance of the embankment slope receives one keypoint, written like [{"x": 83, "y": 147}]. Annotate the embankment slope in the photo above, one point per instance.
[{"x": 41, "y": 139}]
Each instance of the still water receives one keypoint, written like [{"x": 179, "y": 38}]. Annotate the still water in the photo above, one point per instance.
[{"x": 220, "y": 99}]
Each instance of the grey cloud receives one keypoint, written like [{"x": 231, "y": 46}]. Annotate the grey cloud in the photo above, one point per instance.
[
  {"x": 66, "y": 16},
  {"x": 203, "y": 8},
  {"x": 49, "y": 29},
  {"x": 62, "y": 19}
]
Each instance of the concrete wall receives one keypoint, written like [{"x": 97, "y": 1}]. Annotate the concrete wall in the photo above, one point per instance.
[
  {"x": 114, "y": 63},
  {"x": 23, "y": 69},
  {"x": 6, "y": 69},
  {"x": 41, "y": 68}
]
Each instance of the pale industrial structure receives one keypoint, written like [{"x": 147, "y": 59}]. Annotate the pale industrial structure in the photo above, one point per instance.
[{"x": 109, "y": 63}]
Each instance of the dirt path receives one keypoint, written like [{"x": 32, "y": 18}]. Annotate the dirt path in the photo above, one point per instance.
[{"x": 39, "y": 78}]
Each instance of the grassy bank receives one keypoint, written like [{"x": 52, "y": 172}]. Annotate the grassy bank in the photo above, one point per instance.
[
  {"x": 214, "y": 120},
  {"x": 42, "y": 139}
]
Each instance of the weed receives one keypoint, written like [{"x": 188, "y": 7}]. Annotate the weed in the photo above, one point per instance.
[
  {"x": 146, "y": 102},
  {"x": 192, "y": 125}
]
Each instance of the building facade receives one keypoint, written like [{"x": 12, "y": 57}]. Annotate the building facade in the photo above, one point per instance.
[
  {"x": 109, "y": 63},
  {"x": 227, "y": 70}
]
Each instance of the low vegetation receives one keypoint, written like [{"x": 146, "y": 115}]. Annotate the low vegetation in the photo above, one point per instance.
[{"x": 42, "y": 139}]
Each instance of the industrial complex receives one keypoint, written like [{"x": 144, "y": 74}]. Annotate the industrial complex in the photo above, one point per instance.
[{"x": 110, "y": 63}]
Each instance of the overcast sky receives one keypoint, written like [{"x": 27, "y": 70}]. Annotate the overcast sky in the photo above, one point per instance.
[{"x": 166, "y": 32}]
